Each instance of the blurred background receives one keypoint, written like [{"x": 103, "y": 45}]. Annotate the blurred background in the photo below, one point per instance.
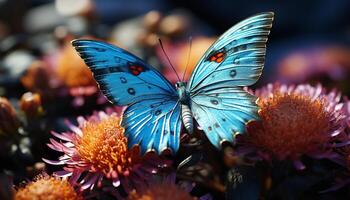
[{"x": 309, "y": 42}]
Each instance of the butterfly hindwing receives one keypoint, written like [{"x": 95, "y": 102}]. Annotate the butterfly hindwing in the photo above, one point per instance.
[
  {"x": 218, "y": 102},
  {"x": 154, "y": 124},
  {"x": 152, "y": 116},
  {"x": 223, "y": 111},
  {"x": 123, "y": 78}
]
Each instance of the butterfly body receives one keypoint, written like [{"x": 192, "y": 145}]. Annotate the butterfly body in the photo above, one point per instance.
[
  {"x": 156, "y": 110},
  {"x": 184, "y": 99}
]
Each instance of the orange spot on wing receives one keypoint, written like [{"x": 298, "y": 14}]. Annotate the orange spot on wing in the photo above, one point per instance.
[
  {"x": 136, "y": 70},
  {"x": 218, "y": 57}
]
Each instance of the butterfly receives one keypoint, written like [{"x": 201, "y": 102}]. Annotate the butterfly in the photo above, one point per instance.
[{"x": 214, "y": 96}]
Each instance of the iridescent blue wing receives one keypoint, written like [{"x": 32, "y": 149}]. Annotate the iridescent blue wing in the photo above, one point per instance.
[
  {"x": 151, "y": 118},
  {"x": 155, "y": 124},
  {"x": 237, "y": 57},
  {"x": 220, "y": 106},
  {"x": 122, "y": 77},
  {"x": 222, "y": 112}
]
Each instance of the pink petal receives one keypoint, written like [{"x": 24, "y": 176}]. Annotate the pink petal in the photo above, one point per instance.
[
  {"x": 61, "y": 136},
  {"x": 299, "y": 165},
  {"x": 53, "y": 162},
  {"x": 63, "y": 174}
]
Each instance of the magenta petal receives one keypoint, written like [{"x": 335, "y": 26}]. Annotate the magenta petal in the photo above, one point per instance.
[
  {"x": 63, "y": 174},
  {"x": 61, "y": 136},
  {"x": 90, "y": 181},
  {"x": 74, "y": 128},
  {"x": 299, "y": 165},
  {"x": 53, "y": 162}
]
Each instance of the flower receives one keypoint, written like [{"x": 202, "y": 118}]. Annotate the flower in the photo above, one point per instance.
[
  {"x": 47, "y": 187},
  {"x": 295, "y": 121},
  {"x": 9, "y": 122},
  {"x": 30, "y": 104},
  {"x": 97, "y": 149},
  {"x": 165, "y": 189},
  {"x": 72, "y": 70},
  {"x": 343, "y": 154}
]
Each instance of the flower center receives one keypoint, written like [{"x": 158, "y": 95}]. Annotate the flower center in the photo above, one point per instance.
[
  {"x": 291, "y": 125},
  {"x": 47, "y": 188},
  {"x": 104, "y": 146}
]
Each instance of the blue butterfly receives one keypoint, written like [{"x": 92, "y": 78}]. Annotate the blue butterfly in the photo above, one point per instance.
[{"x": 214, "y": 97}]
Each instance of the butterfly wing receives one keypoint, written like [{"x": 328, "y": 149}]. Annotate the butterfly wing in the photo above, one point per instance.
[
  {"x": 237, "y": 57},
  {"x": 151, "y": 118},
  {"x": 219, "y": 105},
  {"x": 154, "y": 124},
  {"x": 222, "y": 112}
]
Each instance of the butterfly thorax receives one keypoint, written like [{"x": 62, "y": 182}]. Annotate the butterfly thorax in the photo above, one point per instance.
[
  {"x": 181, "y": 91},
  {"x": 186, "y": 113}
]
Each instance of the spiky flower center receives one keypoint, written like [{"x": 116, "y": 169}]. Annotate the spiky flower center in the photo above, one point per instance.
[
  {"x": 47, "y": 188},
  {"x": 161, "y": 192},
  {"x": 291, "y": 125},
  {"x": 104, "y": 146}
]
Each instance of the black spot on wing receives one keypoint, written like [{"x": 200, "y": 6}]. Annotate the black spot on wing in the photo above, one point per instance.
[
  {"x": 233, "y": 73},
  {"x": 123, "y": 80},
  {"x": 131, "y": 91},
  {"x": 158, "y": 112},
  {"x": 214, "y": 101}
]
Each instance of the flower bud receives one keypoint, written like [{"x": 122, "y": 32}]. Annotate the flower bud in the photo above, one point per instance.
[{"x": 30, "y": 104}]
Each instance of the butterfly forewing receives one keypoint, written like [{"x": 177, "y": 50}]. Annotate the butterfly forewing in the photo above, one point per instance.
[
  {"x": 236, "y": 57},
  {"x": 152, "y": 116}
]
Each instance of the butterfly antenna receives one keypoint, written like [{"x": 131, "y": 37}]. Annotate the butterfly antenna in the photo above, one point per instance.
[
  {"x": 167, "y": 57},
  {"x": 188, "y": 58}
]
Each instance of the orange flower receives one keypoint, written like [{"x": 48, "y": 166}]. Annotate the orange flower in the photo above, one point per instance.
[
  {"x": 49, "y": 188},
  {"x": 295, "y": 121},
  {"x": 99, "y": 149},
  {"x": 165, "y": 189},
  {"x": 72, "y": 69}
]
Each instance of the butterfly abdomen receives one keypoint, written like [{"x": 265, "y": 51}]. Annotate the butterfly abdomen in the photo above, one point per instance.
[{"x": 187, "y": 119}]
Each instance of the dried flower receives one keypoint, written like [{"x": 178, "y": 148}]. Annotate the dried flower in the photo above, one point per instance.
[
  {"x": 46, "y": 187},
  {"x": 295, "y": 121},
  {"x": 30, "y": 104},
  {"x": 99, "y": 148},
  {"x": 9, "y": 122}
]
